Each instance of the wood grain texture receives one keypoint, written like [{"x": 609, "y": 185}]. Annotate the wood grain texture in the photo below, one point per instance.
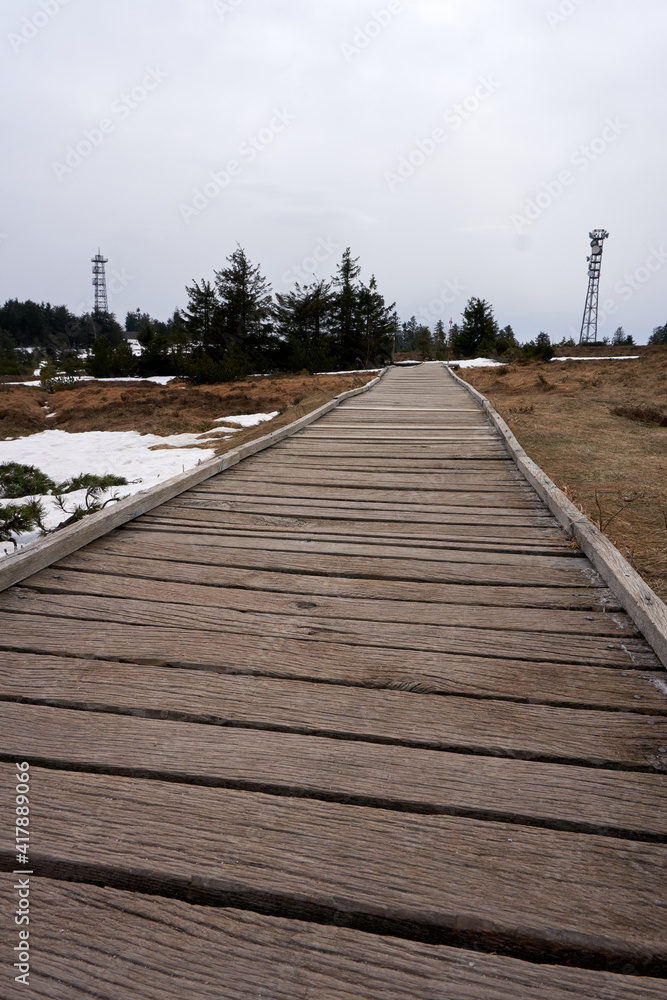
[
  {"x": 424, "y": 482},
  {"x": 562, "y": 564},
  {"x": 61, "y": 581},
  {"x": 169, "y": 950},
  {"x": 254, "y": 486},
  {"x": 360, "y": 531},
  {"x": 251, "y": 697},
  {"x": 633, "y": 806},
  {"x": 588, "y": 598},
  {"x": 419, "y": 512},
  {"x": 226, "y": 627},
  {"x": 323, "y": 521},
  {"x": 508, "y": 887},
  {"x": 202, "y": 550}
]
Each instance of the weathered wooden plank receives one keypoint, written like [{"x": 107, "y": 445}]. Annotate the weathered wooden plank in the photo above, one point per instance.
[
  {"x": 412, "y": 512},
  {"x": 228, "y": 486},
  {"x": 496, "y": 471},
  {"x": 608, "y": 803},
  {"x": 225, "y": 628},
  {"x": 442, "y": 437},
  {"x": 63, "y": 581},
  {"x": 505, "y": 887},
  {"x": 562, "y": 561},
  {"x": 453, "y": 449},
  {"x": 171, "y": 546},
  {"x": 514, "y": 494},
  {"x": 416, "y": 451},
  {"x": 580, "y": 598},
  {"x": 453, "y": 479},
  {"x": 389, "y": 409},
  {"x": 187, "y": 950},
  {"x": 138, "y": 688},
  {"x": 447, "y": 525},
  {"x": 45, "y": 615},
  {"x": 258, "y": 526}
]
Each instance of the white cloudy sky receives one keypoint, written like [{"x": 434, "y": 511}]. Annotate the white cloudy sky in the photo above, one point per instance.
[{"x": 339, "y": 94}]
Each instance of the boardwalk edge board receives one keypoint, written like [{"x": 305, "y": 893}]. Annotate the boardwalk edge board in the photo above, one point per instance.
[
  {"x": 643, "y": 605},
  {"x": 39, "y": 555}
]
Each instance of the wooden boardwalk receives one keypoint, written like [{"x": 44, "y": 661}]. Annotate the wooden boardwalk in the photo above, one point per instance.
[{"x": 352, "y": 719}]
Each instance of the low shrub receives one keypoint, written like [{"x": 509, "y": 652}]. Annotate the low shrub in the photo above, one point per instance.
[
  {"x": 18, "y": 480},
  {"x": 16, "y": 519}
]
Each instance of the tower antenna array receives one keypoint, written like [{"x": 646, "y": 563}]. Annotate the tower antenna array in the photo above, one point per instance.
[
  {"x": 589, "y": 325},
  {"x": 100, "y": 283}
]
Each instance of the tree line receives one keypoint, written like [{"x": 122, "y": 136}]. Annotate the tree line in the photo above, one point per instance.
[{"x": 234, "y": 325}]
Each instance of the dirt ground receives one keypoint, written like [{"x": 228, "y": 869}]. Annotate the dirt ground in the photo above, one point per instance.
[
  {"x": 177, "y": 408},
  {"x": 613, "y": 467}
]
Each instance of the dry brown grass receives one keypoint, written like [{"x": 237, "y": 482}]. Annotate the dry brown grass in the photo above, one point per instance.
[
  {"x": 612, "y": 466},
  {"x": 177, "y": 408}
]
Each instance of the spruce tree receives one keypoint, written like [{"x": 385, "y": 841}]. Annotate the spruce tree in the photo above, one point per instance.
[
  {"x": 479, "y": 331},
  {"x": 303, "y": 322},
  {"x": 440, "y": 341},
  {"x": 377, "y": 325},
  {"x": 200, "y": 315},
  {"x": 246, "y": 307},
  {"x": 347, "y": 326}
]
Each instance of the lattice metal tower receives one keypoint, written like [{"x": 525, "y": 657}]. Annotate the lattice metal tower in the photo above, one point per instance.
[
  {"x": 100, "y": 282},
  {"x": 589, "y": 325}
]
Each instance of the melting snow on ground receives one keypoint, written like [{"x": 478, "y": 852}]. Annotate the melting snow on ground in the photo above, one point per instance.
[
  {"x": 479, "y": 363},
  {"x": 617, "y": 357},
  {"x": 124, "y": 453},
  {"x": 158, "y": 379}
]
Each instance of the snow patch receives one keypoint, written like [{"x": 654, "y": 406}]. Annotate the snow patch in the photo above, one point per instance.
[
  {"x": 617, "y": 357},
  {"x": 247, "y": 419},
  {"x": 124, "y": 453},
  {"x": 357, "y": 371},
  {"x": 157, "y": 379},
  {"x": 477, "y": 363},
  {"x": 145, "y": 460}
]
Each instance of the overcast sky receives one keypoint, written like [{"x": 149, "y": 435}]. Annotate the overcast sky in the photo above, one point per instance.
[{"x": 459, "y": 148}]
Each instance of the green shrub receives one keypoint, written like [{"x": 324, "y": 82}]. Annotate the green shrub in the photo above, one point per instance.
[
  {"x": 17, "y": 480},
  {"x": 16, "y": 519}
]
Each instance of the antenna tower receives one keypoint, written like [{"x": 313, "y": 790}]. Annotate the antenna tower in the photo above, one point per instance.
[
  {"x": 100, "y": 283},
  {"x": 589, "y": 325}
]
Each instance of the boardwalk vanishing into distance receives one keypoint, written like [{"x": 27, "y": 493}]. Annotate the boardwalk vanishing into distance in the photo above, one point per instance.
[{"x": 352, "y": 719}]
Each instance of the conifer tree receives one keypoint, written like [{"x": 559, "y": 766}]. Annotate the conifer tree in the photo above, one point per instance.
[
  {"x": 347, "y": 332},
  {"x": 479, "y": 331},
  {"x": 246, "y": 306},
  {"x": 200, "y": 315},
  {"x": 303, "y": 321},
  {"x": 377, "y": 325}
]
